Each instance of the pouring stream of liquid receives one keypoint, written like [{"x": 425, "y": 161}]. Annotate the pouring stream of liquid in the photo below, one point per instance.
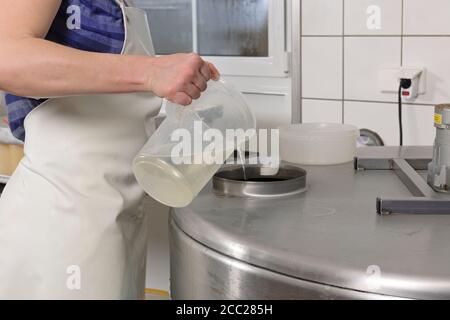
[{"x": 242, "y": 158}]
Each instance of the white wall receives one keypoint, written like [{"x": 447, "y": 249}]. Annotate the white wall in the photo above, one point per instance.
[{"x": 341, "y": 58}]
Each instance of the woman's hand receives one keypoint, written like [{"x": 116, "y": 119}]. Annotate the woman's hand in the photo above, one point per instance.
[{"x": 181, "y": 78}]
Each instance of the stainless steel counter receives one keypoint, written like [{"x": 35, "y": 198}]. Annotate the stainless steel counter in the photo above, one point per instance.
[{"x": 325, "y": 243}]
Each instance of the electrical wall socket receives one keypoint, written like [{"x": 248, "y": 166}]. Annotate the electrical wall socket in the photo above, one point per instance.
[{"x": 389, "y": 78}]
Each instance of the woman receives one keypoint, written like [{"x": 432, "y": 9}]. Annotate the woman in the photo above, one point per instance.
[{"x": 70, "y": 224}]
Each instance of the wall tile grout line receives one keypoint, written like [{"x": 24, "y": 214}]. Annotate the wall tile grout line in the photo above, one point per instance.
[
  {"x": 426, "y": 35},
  {"x": 368, "y": 101},
  {"x": 343, "y": 62},
  {"x": 402, "y": 32},
  {"x": 376, "y": 35},
  {"x": 349, "y": 36}
]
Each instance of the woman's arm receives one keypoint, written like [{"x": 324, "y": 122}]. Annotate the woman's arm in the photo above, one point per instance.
[{"x": 32, "y": 66}]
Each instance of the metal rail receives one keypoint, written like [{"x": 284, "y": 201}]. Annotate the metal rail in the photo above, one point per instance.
[
  {"x": 411, "y": 179},
  {"x": 405, "y": 162},
  {"x": 413, "y": 206}
]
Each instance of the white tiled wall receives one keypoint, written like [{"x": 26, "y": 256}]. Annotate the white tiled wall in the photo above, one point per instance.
[
  {"x": 328, "y": 12},
  {"x": 322, "y": 111},
  {"x": 426, "y": 17},
  {"x": 356, "y": 13},
  {"x": 363, "y": 57},
  {"x": 322, "y": 67},
  {"x": 341, "y": 58}
]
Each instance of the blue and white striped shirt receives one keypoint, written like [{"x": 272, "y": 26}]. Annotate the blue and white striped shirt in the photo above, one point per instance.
[{"x": 101, "y": 30}]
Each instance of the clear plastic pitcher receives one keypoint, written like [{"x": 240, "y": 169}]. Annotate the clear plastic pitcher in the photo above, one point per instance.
[{"x": 192, "y": 144}]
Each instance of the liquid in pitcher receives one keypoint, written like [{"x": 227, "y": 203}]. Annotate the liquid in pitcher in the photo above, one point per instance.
[{"x": 174, "y": 185}]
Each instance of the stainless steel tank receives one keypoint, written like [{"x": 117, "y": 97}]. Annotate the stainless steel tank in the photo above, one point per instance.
[{"x": 323, "y": 243}]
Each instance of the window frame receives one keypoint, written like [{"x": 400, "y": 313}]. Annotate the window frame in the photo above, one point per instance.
[{"x": 278, "y": 60}]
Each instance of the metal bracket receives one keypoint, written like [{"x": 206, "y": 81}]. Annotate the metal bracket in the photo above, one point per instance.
[
  {"x": 411, "y": 179},
  {"x": 405, "y": 161},
  {"x": 413, "y": 206}
]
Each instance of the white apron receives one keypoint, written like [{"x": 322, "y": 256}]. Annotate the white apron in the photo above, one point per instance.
[{"x": 71, "y": 221}]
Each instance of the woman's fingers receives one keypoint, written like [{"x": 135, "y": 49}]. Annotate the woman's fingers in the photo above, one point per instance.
[
  {"x": 193, "y": 92},
  {"x": 200, "y": 83},
  {"x": 209, "y": 71},
  {"x": 186, "y": 95},
  {"x": 181, "y": 98},
  {"x": 205, "y": 71},
  {"x": 215, "y": 74}
]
